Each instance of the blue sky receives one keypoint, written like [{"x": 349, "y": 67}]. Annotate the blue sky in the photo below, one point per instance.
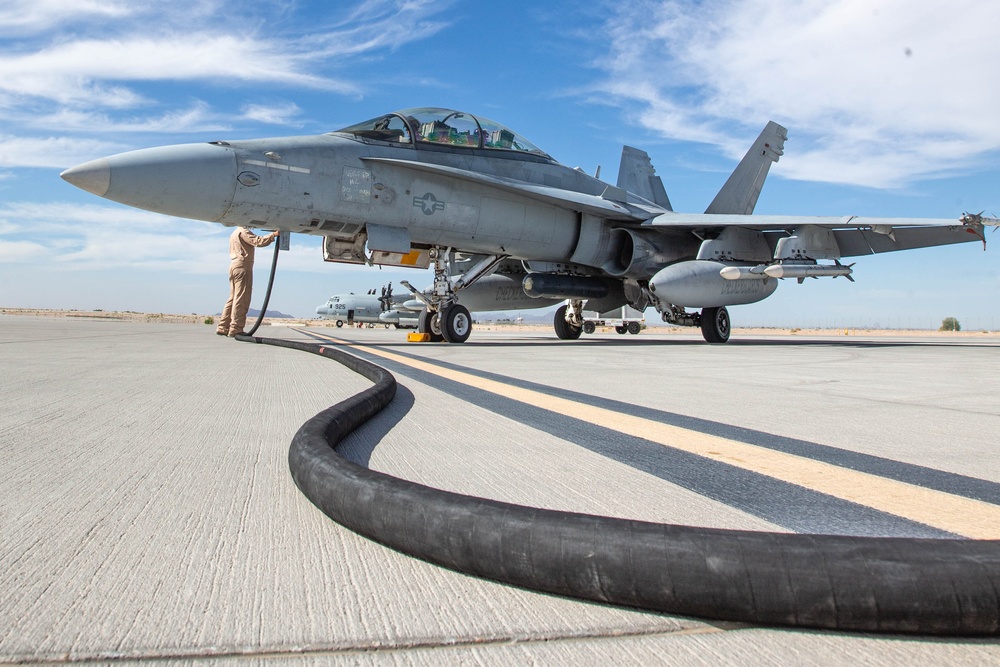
[{"x": 890, "y": 108}]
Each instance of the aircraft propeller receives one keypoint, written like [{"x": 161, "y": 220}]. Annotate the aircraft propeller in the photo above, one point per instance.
[{"x": 386, "y": 298}]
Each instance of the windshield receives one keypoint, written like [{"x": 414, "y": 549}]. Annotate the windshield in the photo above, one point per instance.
[
  {"x": 443, "y": 126},
  {"x": 389, "y": 127}
]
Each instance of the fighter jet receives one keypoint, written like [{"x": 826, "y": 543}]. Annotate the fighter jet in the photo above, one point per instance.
[{"x": 419, "y": 186}]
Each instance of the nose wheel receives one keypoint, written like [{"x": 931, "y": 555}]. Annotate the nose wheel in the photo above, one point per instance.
[
  {"x": 456, "y": 323},
  {"x": 443, "y": 317},
  {"x": 453, "y": 324},
  {"x": 429, "y": 322}
]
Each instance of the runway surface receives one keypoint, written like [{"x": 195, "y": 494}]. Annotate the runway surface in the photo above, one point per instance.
[{"x": 147, "y": 512}]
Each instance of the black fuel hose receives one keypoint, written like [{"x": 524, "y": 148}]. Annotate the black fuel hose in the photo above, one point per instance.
[
  {"x": 886, "y": 585},
  {"x": 868, "y": 584},
  {"x": 267, "y": 294}
]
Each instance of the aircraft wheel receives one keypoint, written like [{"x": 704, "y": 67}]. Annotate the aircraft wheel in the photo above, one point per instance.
[
  {"x": 564, "y": 329},
  {"x": 387, "y": 325},
  {"x": 456, "y": 323},
  {"x": 621, "y": 330},
  {"x": 430, "y": 323},
  {"x": 634, "y": 328},
  {"x": 715, "y": 326},
  {"x": 589, "y": 327},
  {"x": 340, "y": 323}
]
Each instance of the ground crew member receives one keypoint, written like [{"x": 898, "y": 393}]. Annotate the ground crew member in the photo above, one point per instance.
[{"x": 241, "y": 248}]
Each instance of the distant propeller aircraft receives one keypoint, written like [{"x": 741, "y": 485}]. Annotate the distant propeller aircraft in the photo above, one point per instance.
[
  {"x": 502, "y": 290},
  {"x": 420, "y": 186},
  {"x": 367, "y": 308}
]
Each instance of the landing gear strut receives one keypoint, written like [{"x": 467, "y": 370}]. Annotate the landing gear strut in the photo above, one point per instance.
[
  {"x": 443, "y": 317},
  {"x": 714, "y": 322}
]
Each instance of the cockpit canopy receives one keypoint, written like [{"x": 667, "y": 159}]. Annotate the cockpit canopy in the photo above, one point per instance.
[{"x": 442, "y": 126}]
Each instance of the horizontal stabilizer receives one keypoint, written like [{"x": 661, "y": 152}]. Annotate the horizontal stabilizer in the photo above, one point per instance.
[
  {"x": 636, "y": 175},
  {"x": 739, "y": 194}
]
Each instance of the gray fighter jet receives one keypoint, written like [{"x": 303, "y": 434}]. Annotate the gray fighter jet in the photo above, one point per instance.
[{"x": 415, "y": 187}]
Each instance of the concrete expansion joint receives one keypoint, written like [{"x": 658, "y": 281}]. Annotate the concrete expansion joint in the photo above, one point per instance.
[{"x": 348, "y": 648}]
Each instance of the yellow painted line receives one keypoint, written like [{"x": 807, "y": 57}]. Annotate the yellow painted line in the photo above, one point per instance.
[{"x": 963, "y": 516}]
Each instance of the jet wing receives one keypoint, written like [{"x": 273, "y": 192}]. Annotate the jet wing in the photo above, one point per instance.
[
  {"x": 855, "y": 235},
  {"x": 578, "y": 201}
]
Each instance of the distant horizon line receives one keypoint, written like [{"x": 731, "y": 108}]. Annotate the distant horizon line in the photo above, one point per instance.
[{"x": 499, "y": 320}]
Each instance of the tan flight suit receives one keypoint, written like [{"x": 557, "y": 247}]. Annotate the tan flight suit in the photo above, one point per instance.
[{"x": 241, "y": 248}]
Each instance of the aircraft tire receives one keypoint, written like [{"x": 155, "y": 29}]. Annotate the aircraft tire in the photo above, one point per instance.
[
  {"x": 430, "y": 323},
  {"x": 634, "y": 328},
  {"x": 564, "y": 329},
  {"x": 340, "y": 323},
  {"x": 589, "y": 327},
  {"x": 456, "y": 323},
  {"x": 715, "y": 325}
]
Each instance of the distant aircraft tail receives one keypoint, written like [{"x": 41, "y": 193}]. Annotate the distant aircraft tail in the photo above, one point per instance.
[
  {"x": 739, "y": 194},
  {"x": 636, "y": 175}
]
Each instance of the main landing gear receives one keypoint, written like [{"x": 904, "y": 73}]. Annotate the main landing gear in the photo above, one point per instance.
[
  {"x": 714, "y": 322},
  {"x": 715, "y": 325},
  {"x": 568, "y": 320}
]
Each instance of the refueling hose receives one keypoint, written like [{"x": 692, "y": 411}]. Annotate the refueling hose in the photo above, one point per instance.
[
  {"x": 267, "y": 294},
  {"x": 857, "y": 584}
]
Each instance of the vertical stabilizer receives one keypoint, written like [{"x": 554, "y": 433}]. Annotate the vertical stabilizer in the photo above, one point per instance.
[
  {"x": 739, "y": 194},
  {"x": 636, "y": 175}
]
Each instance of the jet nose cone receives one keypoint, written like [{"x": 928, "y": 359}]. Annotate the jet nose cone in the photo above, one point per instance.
[
  {"x": 188, "y": 181},
  {"x": 93, "y": 176}
]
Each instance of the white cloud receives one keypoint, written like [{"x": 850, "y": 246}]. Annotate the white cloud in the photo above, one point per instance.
[
  {"x": 100, "y": 63},
  {"x": 57, "y": 152},
  {"x": 876, "y": 94},
  {"x": 29, "y": 16},
  {"x": 91, "y": 60},
  {"x": 104, "y": 66},
  {"x": 277, "y": 114},
  {"x": 96, "y": 237},
  {"x": 198, "y": 117},
  {"x": 22, "y": 251},
  {"x": 75, "y": 72},
  {"x": 106, "y": 237}
]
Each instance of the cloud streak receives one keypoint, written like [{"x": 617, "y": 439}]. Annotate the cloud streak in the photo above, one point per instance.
[
  {"x": 25, "y": 17},
  {"x": 876, "y": 94},
  {"x": 108, "y": 64},
  {"x": 87, "y": 77},
  {"x": 86, "y": 72},
  {"x": 71, "y": 237}
]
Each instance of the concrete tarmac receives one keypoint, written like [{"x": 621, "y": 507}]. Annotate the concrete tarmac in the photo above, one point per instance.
[{"x": 147, "y": 512}]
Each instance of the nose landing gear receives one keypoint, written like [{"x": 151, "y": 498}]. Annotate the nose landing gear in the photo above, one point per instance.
[{"x": 443, "y": 317}]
